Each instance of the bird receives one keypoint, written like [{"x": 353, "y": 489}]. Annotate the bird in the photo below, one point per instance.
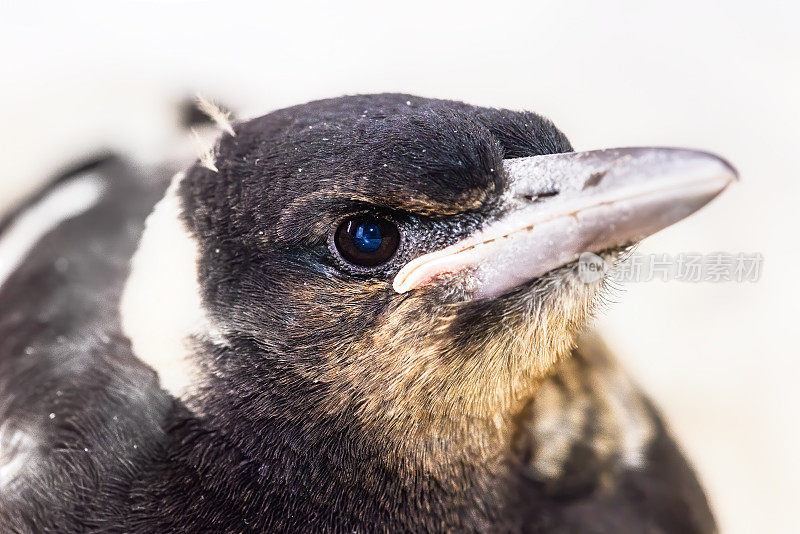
[{"x": 359, "y": 314}]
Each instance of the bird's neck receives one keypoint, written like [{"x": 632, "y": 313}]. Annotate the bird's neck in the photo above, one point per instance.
[
  {"x": 292, "y": 428},
  {"x": 288, "y": 438},
  {"x": 325, "y": 462},
  {"x": 328, "y": 462}
]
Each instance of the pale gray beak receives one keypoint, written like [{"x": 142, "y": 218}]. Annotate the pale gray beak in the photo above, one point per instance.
[{"x": 559, "y": 206}]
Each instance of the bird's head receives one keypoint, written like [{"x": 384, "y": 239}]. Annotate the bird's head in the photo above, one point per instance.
[{"x": 404, "y": 262}]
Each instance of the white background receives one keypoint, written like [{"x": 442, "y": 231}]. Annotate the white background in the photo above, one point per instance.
[{"x": 720, "y": 359}]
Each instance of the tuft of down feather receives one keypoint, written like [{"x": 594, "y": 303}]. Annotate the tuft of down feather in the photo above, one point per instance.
[{"x": 221, "y": 118}]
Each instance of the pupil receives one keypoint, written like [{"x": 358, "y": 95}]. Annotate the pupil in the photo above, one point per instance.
[{"x": 367, "y": 237}]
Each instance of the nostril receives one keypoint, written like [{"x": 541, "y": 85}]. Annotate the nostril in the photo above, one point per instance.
[
  {"x": 535, "y": 197},
  {"x": 594, "y": 179}
]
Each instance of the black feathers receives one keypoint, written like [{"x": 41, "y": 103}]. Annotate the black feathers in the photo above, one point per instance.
[{"x": 318, "y": 399}]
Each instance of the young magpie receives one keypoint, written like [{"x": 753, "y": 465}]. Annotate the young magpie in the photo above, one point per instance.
[{"x": 359, "y": 314}]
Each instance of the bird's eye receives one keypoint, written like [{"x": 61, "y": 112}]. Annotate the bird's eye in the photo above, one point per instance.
[{"x": 366, "y": 241}]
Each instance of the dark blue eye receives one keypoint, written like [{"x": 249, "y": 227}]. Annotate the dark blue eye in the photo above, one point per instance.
[
  {"x": 367, "y": 236},
  {"x": 366, "y": 241}
]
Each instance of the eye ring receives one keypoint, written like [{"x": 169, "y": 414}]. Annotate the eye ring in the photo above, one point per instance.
[{"x": 366, "y": 240}]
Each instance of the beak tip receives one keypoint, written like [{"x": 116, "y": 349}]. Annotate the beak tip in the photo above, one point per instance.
[
  {"x": 729, "y": 171},
  {"x": 716, "y": 172}
]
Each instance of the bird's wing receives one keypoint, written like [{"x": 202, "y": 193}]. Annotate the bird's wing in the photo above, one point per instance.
[
  {"x": 599, "y": 448},
  {"x": 71, "y": 391}
]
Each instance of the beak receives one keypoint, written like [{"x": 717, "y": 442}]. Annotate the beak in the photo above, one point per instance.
[{"x": 558, "y": 206}]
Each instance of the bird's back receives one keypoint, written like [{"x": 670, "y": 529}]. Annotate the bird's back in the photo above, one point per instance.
[{"x": 74, "y": 401}]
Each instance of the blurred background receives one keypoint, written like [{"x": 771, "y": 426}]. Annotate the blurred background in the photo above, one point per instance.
[{"x": 721, "y": 359}]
